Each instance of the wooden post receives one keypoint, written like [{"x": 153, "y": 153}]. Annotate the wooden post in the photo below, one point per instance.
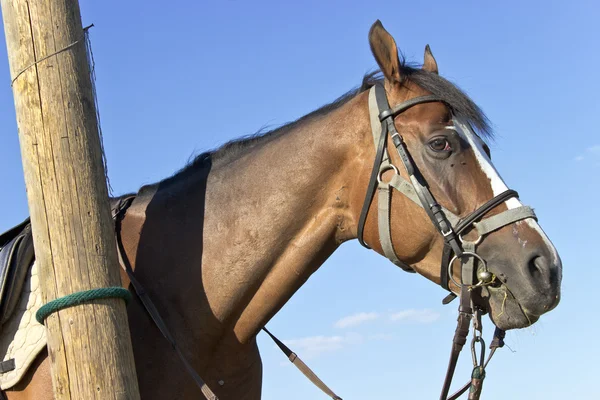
[{"x": 89, "y": 345}]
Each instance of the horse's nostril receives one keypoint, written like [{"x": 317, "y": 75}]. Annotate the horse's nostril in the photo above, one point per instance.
[{"x": 538, "y": 268}]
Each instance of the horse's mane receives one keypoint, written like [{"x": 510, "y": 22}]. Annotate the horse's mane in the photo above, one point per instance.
[{"x": 454, "y": 97}]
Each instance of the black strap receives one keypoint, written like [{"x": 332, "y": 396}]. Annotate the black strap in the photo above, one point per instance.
[
  {"x": 400, "y": 108},
  {"x": 484, "y": 209},
  {"x": 7, "y": 366},
  {"x": 119, "y": 213},
  {"x": 372, "y": 186},
  {"x": 460, "y": 338},
  {"x": 294, "y": 359}
]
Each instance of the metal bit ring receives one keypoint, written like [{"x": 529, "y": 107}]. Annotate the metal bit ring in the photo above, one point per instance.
[{"x": 470, "y": 254}]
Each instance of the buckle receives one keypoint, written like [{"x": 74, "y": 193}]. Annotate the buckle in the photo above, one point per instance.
[{"x": 446, "y": 234}]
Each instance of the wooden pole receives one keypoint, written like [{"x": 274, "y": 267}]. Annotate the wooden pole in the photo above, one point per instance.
[{"x": 89, "y": 345}]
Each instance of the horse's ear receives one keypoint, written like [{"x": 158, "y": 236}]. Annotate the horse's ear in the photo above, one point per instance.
[
  {"x": 429, "y": 64},
  {"x": 385, "y": 52}
]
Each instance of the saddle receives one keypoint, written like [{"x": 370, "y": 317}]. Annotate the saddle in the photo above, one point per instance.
[{"x": 16, "y": 257}]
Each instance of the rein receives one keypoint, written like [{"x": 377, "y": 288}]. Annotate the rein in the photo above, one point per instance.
[{"x": 449, "y": 225}]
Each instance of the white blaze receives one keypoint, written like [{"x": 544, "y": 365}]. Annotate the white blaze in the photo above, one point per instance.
[{"x": 498, "y": 185}]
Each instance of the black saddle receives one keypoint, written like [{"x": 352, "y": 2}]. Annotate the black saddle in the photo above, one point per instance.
[{"x": 16, "y": 257}]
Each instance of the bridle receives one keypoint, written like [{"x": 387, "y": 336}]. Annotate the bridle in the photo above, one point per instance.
[{"x": 449, "y": 225}]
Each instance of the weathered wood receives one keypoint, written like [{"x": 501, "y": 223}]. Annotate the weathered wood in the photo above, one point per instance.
[{"x": 89, "y": 345}]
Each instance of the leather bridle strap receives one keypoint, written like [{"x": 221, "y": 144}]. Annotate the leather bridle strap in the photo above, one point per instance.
[
  {"x": 386, "y": 118},
  {"x": 118, "y": 216},
  {"x": 484, "y": 209},
  {"x": 372, "y": 185}
]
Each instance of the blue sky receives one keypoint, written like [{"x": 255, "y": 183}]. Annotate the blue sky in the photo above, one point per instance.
[{"x": 175, "y": 80}]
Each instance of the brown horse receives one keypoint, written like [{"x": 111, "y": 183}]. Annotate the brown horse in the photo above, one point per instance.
[{"x": 223, "y": 244}]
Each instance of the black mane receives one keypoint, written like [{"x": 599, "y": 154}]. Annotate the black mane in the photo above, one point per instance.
[{"x": 456, "y": 99}]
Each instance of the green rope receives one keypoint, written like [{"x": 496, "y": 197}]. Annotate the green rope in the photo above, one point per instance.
[
  {"x": 478, "y": 373},
  {"x": 80, "y": 298}
]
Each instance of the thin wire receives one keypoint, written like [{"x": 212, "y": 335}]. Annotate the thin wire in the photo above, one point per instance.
[
  {"x": 92, "y": 68},
  {"x": 50, "y": 55}
]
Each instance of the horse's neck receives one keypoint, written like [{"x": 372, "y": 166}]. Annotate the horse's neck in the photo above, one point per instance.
[{"x": 252, "y": 233}]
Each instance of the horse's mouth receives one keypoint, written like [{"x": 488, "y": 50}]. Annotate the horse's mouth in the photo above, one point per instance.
[{"x": 503, "y": 307}]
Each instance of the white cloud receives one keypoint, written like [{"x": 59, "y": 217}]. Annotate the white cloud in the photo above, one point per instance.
[
  {"x": 356, "y": 319},
  {"x": 593, "y": 151},
  {"x": 425, "y": 316},
  {"x": 313, "y": 346}
]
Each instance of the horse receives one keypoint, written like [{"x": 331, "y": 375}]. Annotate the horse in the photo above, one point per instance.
[{"x": 223, "y": 244}]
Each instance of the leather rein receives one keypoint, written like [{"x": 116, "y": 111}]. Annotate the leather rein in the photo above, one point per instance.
[{"x": 474, "y": 272}]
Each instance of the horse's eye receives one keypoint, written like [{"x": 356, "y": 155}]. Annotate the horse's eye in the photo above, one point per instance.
[{"x": 440, "y": 144}]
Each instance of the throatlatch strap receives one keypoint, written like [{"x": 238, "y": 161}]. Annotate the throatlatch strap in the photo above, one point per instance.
[
  {"x": 376, "y": 127},
  {"x": 384, "y": 192},
  {"x": 303, "y": 367},
  {"x": 379, "y": 155},
  {"x": 384, "y": 217}
]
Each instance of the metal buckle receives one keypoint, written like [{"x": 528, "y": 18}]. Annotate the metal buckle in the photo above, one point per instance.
[{"x": 446, "y": 234}]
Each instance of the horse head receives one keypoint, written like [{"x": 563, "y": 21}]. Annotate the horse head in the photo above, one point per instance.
[{"x": 517, "y": 270}]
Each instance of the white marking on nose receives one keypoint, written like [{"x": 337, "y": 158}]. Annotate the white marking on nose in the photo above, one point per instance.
[{"x": 497, "y": 183}]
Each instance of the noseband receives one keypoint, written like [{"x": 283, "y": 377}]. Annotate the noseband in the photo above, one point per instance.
[{"x": 449, "y": 225}]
